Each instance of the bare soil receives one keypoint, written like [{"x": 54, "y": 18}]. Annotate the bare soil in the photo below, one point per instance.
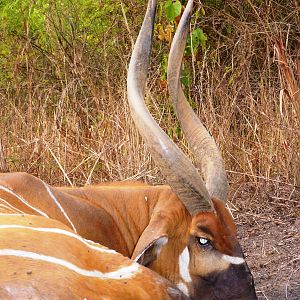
[{"x": 268, "y": 220}]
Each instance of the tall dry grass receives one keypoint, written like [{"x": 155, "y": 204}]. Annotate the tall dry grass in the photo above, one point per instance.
[{"x": 64, "y": 115}]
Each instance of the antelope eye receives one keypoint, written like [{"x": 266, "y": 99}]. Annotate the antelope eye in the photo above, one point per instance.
[{"x": 203, "y": 241}]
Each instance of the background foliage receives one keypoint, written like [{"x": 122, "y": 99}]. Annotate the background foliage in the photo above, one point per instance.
[{"x": 63, "y": 64}]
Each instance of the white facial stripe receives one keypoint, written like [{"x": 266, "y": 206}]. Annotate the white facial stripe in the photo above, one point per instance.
[
  {"x": 184, "y": 261},
  {"x": 11, "y": 206},
  {"x": 234, "y": 260},
  {"x": 181, "y": 286},
  {"x": 123, "y": 273},
  {"x": 60, "y": 231},
  {"x": 59, "y": 206},
  {"x": 22, "y": 200}
]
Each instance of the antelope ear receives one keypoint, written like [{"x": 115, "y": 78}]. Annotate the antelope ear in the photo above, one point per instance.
[
  {"x": 224, "y": 216},
  {"x": 150, "y": 243},
  {"x": 151, "y": 251}
]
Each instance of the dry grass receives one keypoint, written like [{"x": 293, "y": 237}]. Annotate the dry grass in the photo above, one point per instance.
[{"x": 65, "y": 117}]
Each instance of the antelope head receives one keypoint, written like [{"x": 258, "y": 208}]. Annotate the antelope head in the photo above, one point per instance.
[{"x": 201, "y": 254}]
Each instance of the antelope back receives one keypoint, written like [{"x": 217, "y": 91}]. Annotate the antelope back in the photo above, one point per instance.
[{"x": 41, "y": 258}]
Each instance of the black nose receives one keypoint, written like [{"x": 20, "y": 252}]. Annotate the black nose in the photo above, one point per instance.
[
  {"x": 244, "y": 283},
  {"x": 236, "y": 283}
]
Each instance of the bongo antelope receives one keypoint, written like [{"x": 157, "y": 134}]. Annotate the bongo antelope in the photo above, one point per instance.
[{"x": 183, "y": 231}]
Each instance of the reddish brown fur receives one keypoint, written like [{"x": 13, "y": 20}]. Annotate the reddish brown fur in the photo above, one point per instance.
[
  {"x": 98, "y": 212},
  {"x": 219, "y": 228}
]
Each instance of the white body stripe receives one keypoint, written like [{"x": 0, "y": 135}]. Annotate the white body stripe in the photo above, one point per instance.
[
  {"x": 11, "y": 206},
  {"x": 14, "y": 214},
  {"x": 7, "y": 207},
  {"x": 60, "y": 231},
  {"x": 59, "y": 206},
  {"x": 23, "y": 200},
  {"x": 123, "y": 273},
  {"x": 234, "y": 260}
]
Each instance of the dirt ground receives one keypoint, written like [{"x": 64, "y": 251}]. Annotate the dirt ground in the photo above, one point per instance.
[{"x": 269, "y": 230}]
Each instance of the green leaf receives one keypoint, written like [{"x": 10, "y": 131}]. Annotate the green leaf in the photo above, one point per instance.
[
  {"x": 199, "y": 37},
  {"x": 186, "y": 78},
  {"x": 214, "y": 3},
  {"x": 178, "y": 131},
  {"x": 173, "y": 9}
]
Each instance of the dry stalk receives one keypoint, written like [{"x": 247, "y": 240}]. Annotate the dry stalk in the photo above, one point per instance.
[
  {"x": 293, "y": 86},
  {"x": 3, "y": 163}
]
